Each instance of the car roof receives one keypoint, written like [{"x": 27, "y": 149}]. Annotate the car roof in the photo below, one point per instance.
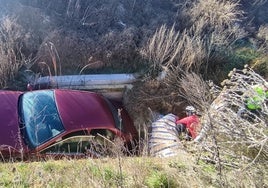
[{"x": 83, "y": 110}]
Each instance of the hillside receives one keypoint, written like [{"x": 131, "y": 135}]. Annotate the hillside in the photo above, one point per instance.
[
  {"x": 206, "y": 53},
  {"x": 105, "y": 36},
  {"x": 41, "y": 38}
]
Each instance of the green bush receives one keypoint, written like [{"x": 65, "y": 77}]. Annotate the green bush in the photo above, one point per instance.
[{"x": 158, "y": 179}]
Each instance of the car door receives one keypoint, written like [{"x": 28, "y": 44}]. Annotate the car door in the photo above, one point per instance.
[
  {"x": 97, "y": 144},
  {"x": 71, "y": 147}
]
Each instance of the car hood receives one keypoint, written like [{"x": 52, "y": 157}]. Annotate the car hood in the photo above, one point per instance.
[
  {"x": 83, "y": 110},
  {"x": 10, "y": 137}
]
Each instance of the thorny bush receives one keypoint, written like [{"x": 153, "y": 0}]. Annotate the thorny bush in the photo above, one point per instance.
[{"x": 233, "y": 135}]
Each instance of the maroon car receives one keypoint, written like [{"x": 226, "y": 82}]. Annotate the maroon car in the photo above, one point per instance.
[{"x": 60, "y": 123}]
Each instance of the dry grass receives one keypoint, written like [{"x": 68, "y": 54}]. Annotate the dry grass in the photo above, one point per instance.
[
  {"x": 11, "y": 34},
  {"x": 262, "y": 36},
  {"x": 73, "y": 53},
  {"x": 217, "y": 24},
  {"x": 7, "y": 70},
  {"x": 182, "y": 55},
  {"x": 213, "y": 28},
  {"x": 181, "y": 171},
  {"x": 137, "y": 172},
  {"x": 157, "y": 97},
  {"x": 161, "y": 48},
  {"x": 259, "y": 2},
  {"x": 56, "y": 52},
  {"x": 200, "y": 97},
  {"x": 54, "y": 64},
  {"x": 263, "y": 32},
  {"x": 170, "y": 50},
  {"x": 215, "y": 13}
]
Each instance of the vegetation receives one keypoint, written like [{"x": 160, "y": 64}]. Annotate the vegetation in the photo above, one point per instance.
[
  {"x": 136, "y": 172},
  {"x": 182, "y": 49}
]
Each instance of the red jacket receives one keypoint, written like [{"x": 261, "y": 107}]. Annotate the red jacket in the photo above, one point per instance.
[{"x": 191, "y": 123}]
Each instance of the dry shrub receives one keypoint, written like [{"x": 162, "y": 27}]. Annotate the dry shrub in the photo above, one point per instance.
[
  {"x": 217, "y": 24},
  {"x": 263, "y": 32},
  {"x": 92, "y": 31},
  {"x": 259, "y": 2},
  {"x": 118, "y": 15},
  {"x": 36, "y": 25},
  {"x": 151, "y": 96},
  {"x": 195, "y": 91},
  {"x": 260, "y": 65},
  {"x": 10, "y": 45},
  {"x": 160, "y": 49},
  {"x": 76, "y": 53},
  {"x": 262, "y": 35},
  {"x": 175, "y": 51},
  {"x": 73, "y": 9},
  {"x": 213, "y": 27},
  {"x": 190, "y": 53},
  {"x": 119, "y": 49},
  {"x": 8, "y": 68},
  {"x": 236, "y": 136},
  {"x": 11, "y": 33},
  {"x": 21, "y": 35},
  {"x": 99, "y": 15},
  {"x": 64, "y": 53},
  {"x": 215, "y": 13}
]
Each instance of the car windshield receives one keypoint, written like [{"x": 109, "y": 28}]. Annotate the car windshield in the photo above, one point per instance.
[{"x": 40, "y": 117}]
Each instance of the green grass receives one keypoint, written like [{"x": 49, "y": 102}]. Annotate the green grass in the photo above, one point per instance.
[
  {"x": 180, "y": 171},
  {"x": 157, "y": 179},
  {"x": 241, "y": 56}
]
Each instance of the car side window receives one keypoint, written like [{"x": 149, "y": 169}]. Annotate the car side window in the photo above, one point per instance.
[
  {"x": 71, "y": 145},
  {"x": 105, "y": 133},
  {"x": 103, "y": 142},
  {"x": 98, "y": 143}
]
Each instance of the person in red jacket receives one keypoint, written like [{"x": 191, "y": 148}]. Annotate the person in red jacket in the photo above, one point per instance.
[{"x": 190, "y": 124}]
